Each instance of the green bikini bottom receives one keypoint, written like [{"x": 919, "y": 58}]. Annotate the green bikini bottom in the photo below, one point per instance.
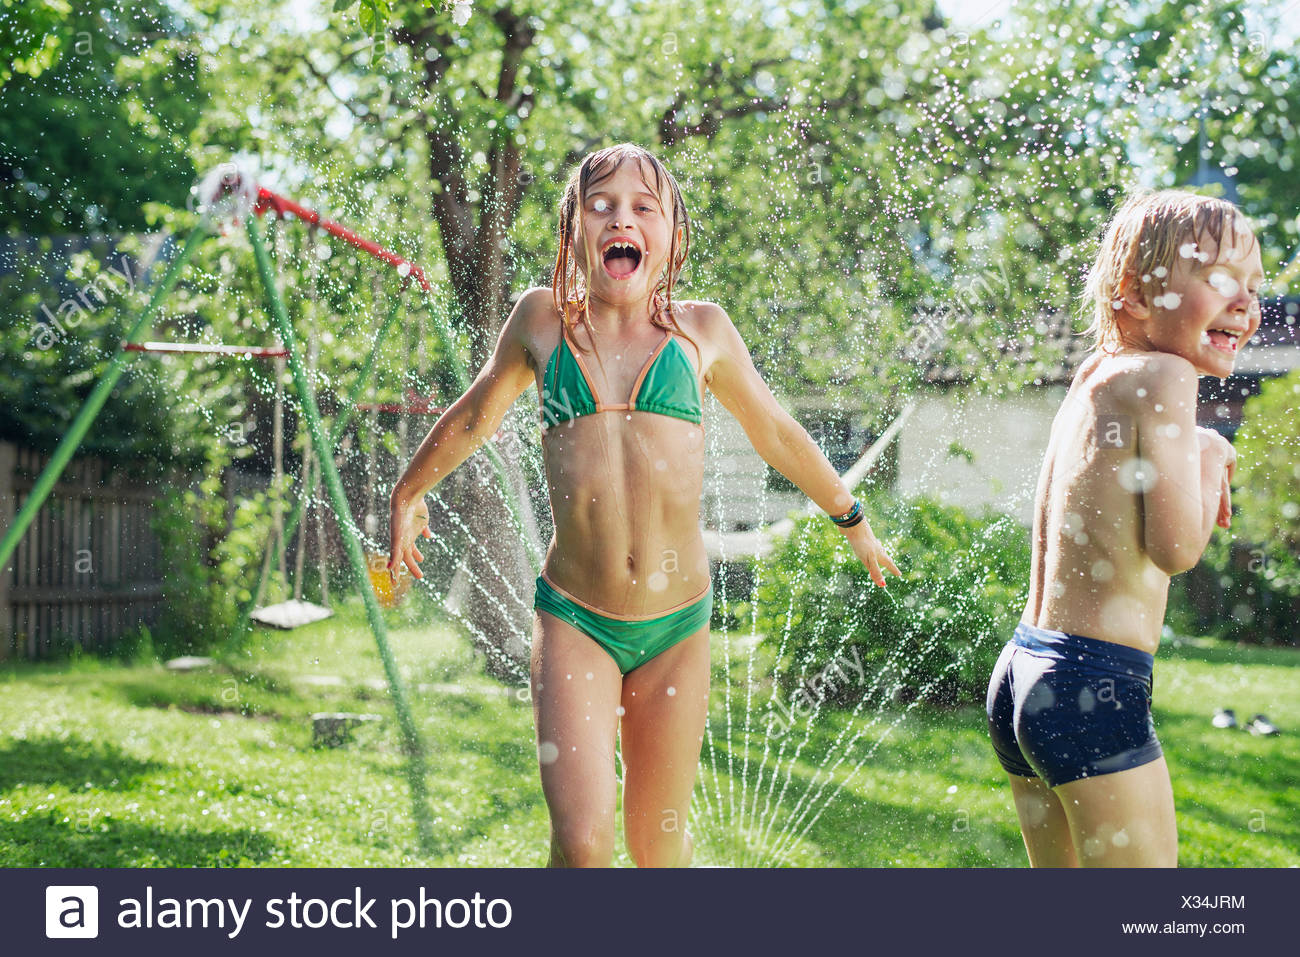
[{"x": 631, "y": 642}]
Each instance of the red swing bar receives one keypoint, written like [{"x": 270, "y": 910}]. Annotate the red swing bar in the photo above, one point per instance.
[
  {"x": 201, "y": 348},
  {"x": 283, "y": 206},
  {"x": 415, "y": 405},
  {"x": 268, "y": 200},
  {"x": 401, "y": 409}
]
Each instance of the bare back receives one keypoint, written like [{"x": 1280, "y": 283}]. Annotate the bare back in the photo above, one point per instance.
[
  {"x": 1091, "y": 573},
  {"x": 624, "y": 486}
]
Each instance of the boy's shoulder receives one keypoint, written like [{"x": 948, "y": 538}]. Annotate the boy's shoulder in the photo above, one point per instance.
[{"x": 1143, "y": 379}]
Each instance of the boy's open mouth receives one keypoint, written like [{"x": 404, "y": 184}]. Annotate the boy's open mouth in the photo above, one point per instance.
[
  {"x": 1225, "y": 340},
  {"x": 621, "y": 258}
]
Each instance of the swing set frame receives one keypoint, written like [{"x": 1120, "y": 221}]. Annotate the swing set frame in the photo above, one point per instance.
[{"x": 233, "y": 183}]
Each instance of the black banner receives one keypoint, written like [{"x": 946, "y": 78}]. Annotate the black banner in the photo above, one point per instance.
[{"x": 261, "y": 911}]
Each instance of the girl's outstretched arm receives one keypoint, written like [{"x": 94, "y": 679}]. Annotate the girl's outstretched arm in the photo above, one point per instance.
[
  {"x": 781, "y": 441},
  {"x": 459, "y": 431}
]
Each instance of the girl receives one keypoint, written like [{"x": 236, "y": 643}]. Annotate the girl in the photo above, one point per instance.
[{"x": 621, "y": 637}]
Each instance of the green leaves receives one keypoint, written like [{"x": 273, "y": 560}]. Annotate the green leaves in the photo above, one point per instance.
[
  {"x": 104, "y": 128},
  {"x": 1267, "y": 485},
  {"x": 32, "y": 36},
  {"x": 372, "y": 15},
  {"x": 934, "y": 633}
]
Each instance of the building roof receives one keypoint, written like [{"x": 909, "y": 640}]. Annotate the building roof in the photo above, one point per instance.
[
  {"x": 1050, "y": 351},
  {"x": 1046, "y": 352}
]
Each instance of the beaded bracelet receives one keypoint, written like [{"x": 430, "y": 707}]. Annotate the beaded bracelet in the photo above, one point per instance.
[{"x": 850, "y": 518}]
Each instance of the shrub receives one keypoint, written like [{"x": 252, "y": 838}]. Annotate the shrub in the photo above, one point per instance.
[
  {"x": 209, "y": 569},
  {"x": 1230, "y": 595},
  {"x": 935, "y": 634},
  {"x": 1268, "y": 481},
  {"x": 1247, "y": 585}
]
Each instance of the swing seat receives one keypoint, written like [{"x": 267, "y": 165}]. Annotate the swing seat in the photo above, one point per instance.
[{"x": 291, "y": 614}]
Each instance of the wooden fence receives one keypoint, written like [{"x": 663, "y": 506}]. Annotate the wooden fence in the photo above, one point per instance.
[{"x": 88, "y": 568}]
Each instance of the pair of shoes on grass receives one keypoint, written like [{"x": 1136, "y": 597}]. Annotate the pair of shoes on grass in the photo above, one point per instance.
[{"x": 1259, "y": 725}]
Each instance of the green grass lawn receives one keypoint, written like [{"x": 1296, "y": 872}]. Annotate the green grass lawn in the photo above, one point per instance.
[{"x": 112, "y": 765}]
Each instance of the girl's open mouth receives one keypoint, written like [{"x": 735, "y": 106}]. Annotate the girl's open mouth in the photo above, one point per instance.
[{"x": 621, "y": 258}]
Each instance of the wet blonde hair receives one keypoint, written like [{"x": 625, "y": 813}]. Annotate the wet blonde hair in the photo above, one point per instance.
[
  {"x": 1142, "y": 242},
  {"x": 567, "y": 283}
]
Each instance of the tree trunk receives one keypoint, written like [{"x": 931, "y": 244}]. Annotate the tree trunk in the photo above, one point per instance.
[
  {"x": 494, "y": 583},
  {"x": 497, "y": 599}
]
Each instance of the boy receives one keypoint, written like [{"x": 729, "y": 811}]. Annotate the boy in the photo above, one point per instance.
[{"x": 1129, "y": 492}]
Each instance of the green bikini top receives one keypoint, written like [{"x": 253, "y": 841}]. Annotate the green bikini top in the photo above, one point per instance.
[{"x": 666, "y": 385}]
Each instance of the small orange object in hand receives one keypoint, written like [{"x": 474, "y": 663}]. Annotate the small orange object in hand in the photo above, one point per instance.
[{"x": 390, "y": 589}]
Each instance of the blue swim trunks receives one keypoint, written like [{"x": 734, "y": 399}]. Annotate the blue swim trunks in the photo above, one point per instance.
[{"x": 1062, "y": 707}]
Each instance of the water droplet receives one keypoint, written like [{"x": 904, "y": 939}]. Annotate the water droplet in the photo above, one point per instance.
[
  {"x": 1040, "y": 698},
  {"x": 1137, "y": 476},
  {"x": 1225, "y": 284}
]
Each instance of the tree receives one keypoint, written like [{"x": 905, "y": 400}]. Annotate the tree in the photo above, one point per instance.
[
  {"x": 31, "y": 36},
  {"x": 1267, "y": 486},
  {"x": 103, "y": 129},
  {"x": 93, "y": 126},
  {"x": 851, "y": 170},
  {"x": 856, "y": 174}
]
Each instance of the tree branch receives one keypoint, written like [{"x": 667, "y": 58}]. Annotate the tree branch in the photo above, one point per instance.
[
  {"x": 504, "y": 156},
  {"x": 362, "y": 113}
]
